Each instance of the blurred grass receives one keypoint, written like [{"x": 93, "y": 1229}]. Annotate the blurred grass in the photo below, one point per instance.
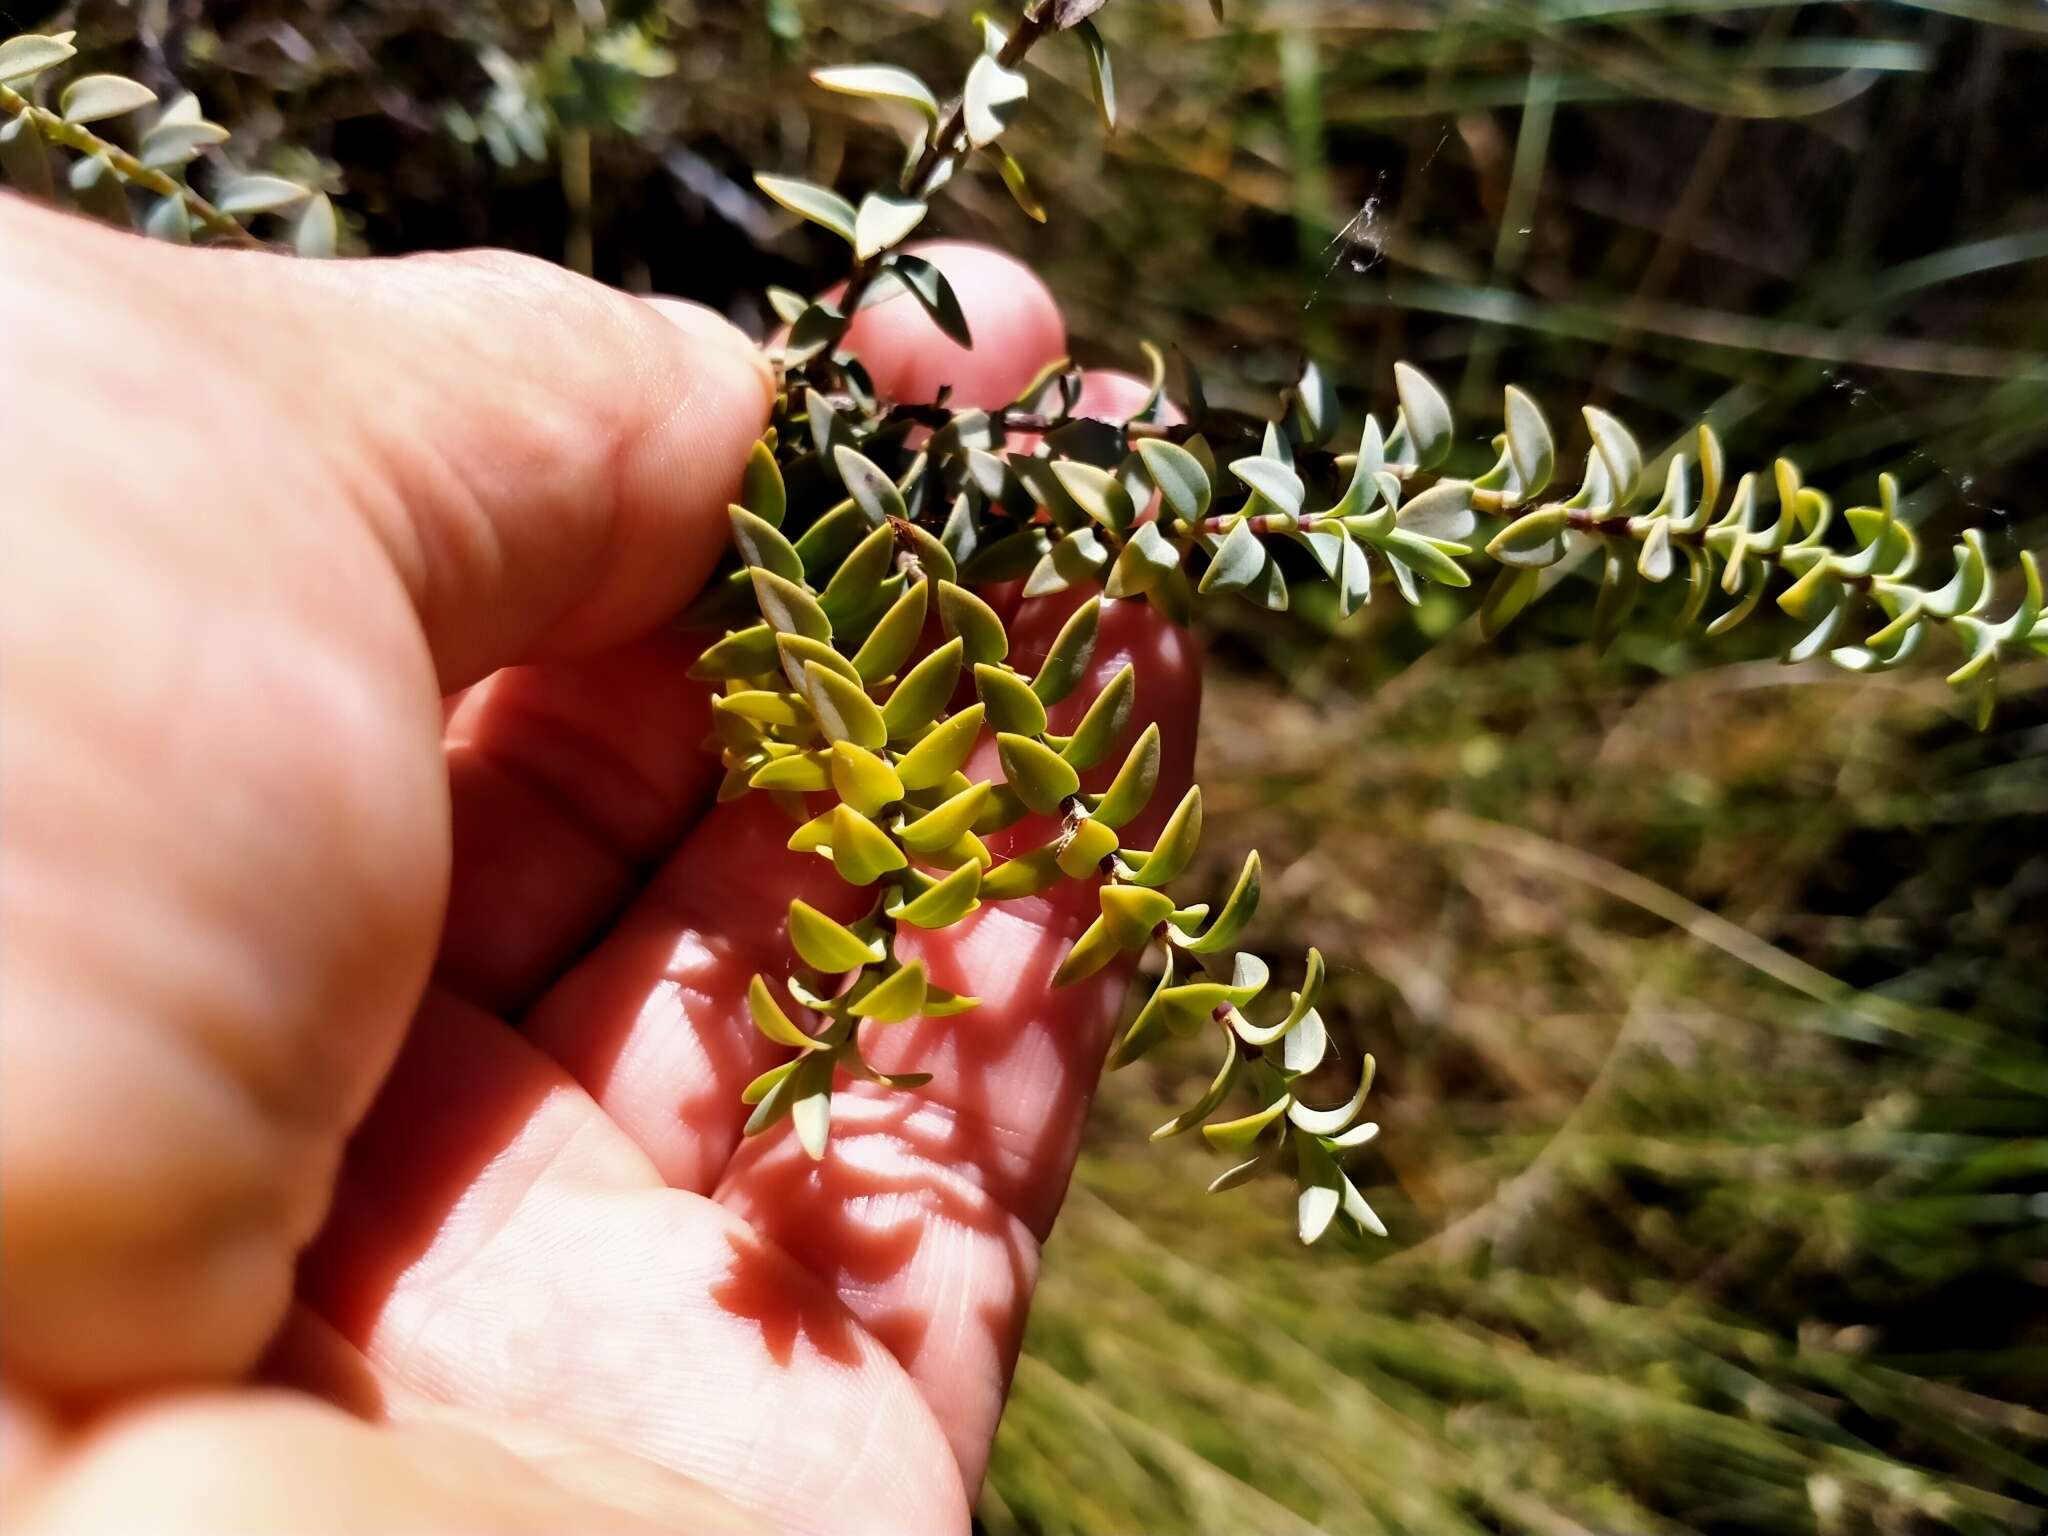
[{"x": 1707, "y": 993}]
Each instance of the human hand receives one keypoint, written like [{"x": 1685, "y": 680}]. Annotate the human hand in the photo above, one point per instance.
[{"x": 291, "y": 959}]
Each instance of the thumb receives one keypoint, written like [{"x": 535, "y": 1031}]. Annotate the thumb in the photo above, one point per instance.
[{"x": 547, "y": 461}]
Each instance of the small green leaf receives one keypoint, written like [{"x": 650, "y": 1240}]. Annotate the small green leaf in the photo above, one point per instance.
[
  {"x": 1654, "y": 559},
  {"x": 882, "y": 221},
  {"x": 1096, "y": 492},
  {"x": 1238, "y": 1135},
  {"x": 844, "y": 711},
  {"x": 821, "y": 205},
  {"x": 761, "y": 489},
  {"x": 939, "y": 755},
  {"x": 1082, "y": 852},
  {"x": 1141, "y": 563},
  {"x": 24, "y": 158},
  {"x": 761, "y": 544},
  {"x": 1175, "y": 850},
  {"x": 316, "y": 231},
  {"x": 1511, "y": 592},
  {"x": 29, "y": 54},
  {"x": 170, "y": 221},
  {"x": 861, "y": 851},
  {"x": 863, "y": 780},
  {"x": 891, "y": 641},
  {"x": 246, "y": 195},
  {"x": 810, "y": 1109},
  {"x": 1131, "y": 790},
  {"x": 1533, "y": 540},
  {"x": 973, "y": 622},
  {"x": 1039, "y": 775},
  {"x": 872, "y": 491},
  {"x": 1025, "y": 875},
  {"x": 790, "y": 608},
  {"x": 945, "y": 823},
  {"x": 1099, "y": 70},
  {"x": 1238, "y": 563},
  {"x": 1066, "y": 663},
  {"x": 170, "y": 143},
  {"x": 93, "y": 98},
  {"x": 1328, "y": 1122},
  {"x": 1322, "y": 1189},
  {"x": 1183, "y": 484},
  {"x": 992, "y": 100},
  {"x": 946, "y": 902},
  {"x": 1102, "y": 727},
  {"x": 826, "y": 944},
  {"x": 1020, "y": 188},
  {"x": 1423, "y": 555},
  {"x": 799, "y": 651},
  {"x": 1218, "y": 1089},
  {"x": 800, "y": 772},
  {"x": 1134, "y": 913},
  {"x": 896, "y": 997},
  {"x": 1237, "y": 911},
  {"x": 768, "y": 1082},
  {"x": 1530, "y": 443},
  {"x": 1278, "y": 483},
  {"x": 879, "y": 82},
  {"x": 1425, "y": 416},
  {"x": 916, "y": 700},
  {"x": 1442, "y": 514},
  {"x": 772, "y": 1021},
  {"x": 1090, "y": 953},
  {"x": 744, "y": 653},
  {"x": 1012, "y": 706},
  {"x": 1618, "y": 450}
]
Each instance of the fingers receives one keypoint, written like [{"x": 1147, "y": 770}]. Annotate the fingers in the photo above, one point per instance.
[
  {"x": 568, "y": 780},
  {"x": 550, "y": 461},
  {"x": 335, "y": 491}
]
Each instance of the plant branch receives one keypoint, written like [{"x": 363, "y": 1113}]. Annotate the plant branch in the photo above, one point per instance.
[{"x": 85, "y": 142}]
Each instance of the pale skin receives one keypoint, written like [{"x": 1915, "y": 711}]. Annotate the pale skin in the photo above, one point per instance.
[{"x": 374, "y": 956}]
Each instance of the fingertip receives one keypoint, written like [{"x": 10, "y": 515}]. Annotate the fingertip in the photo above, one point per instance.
[
  {"x": 718, "y": 336},
  {"x": 1015, "y": 323}
]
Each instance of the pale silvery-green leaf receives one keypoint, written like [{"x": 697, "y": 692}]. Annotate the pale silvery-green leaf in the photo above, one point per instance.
[
  {"x": 872, "y": 491},
  {"x": 1442, "y": 513},
  {"x": 879, "y": 82},
  {"x": 1533, "y": 540},
  {"x": 844, "y": 711},
  {"x": 315, "y": 232},
  {"x": 92, "y": 98},
  {"x": 788, "y": 607},
  {"x": 1618, "y": 451},
  {"x": 1425, "y": 415},
  {"x": 244, "y": 195},
  {"x": 812, "y": 1116},
  {"x": 992, "y": 100},
  {"x": 175, "y": 142},
  {"x": 26, "y": 56},
  {"x": 883, "y": 221},
  {"x": 1654, "y": 559},
  {"x": 807, "y": 200},
  {"x": 1237, "y": 563},
  {"x": 1011, "y": 704},
  {"x": 1275, "y": 481},
  {"x": 1183, "y": 483},
  {"x": 1530, "y": 443},
  {"x": 169, "y": 220},
  {"x": 24, "y": 159}
]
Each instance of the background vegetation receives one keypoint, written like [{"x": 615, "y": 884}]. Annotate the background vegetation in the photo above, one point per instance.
[{"x": 1707, "y": 993}]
